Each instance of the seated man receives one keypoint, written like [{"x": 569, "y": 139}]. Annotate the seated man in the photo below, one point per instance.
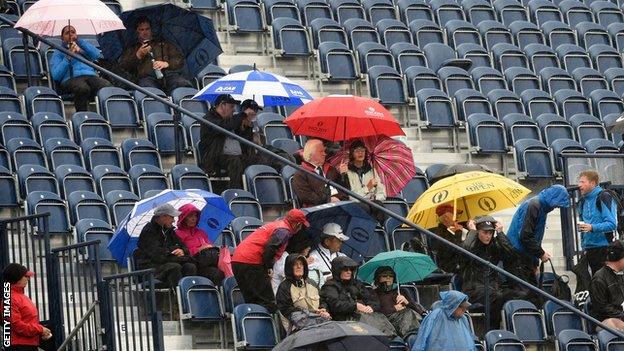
[
  {"x": 155, "y": 62},
  {"x": 452, "y": 231},
  {"x": 73, "y": 76},
  {"x": 159, "y": 248},
  {"x": 329, "y": 248},
  {"x": 607, "y": 288},
  {"x": 311, "y": 191}
]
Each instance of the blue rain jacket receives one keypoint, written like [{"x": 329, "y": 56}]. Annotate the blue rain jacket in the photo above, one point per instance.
[
  {"x": 441, "y": 331},
  {"x": 59, "y": 64},
  {"x": 603, "y": 219}
]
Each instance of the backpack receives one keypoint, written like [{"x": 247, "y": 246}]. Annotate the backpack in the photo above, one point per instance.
[{"x": 605, "y": 196}]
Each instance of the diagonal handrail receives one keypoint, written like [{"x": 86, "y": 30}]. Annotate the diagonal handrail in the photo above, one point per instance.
[{"x": 259, "y": 148}]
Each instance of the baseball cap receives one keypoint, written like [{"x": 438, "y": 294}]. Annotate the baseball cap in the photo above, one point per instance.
[
  {"x": 335, "y": 230},
  {"x": 297, "y": 216},
  {"x": 225, "y": 98},
  {"x": 446, "y": 208},
  {"x": 485, "y": 223},
  {"x": 252, "y": 104},
  {"x": 166, "y": 209},
  {"x": 14, "y": 272}
]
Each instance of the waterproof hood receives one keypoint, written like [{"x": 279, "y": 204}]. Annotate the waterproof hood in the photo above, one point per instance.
[
  {"x": 554, "y": 196},
  {"x": 340, "y": 263},
  {"x": 450, "y": 300},
  {"x": 289, "y": 271},
  {"x": 185, "y": 211}
]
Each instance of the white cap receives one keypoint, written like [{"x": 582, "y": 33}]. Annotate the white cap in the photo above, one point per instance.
[{"x": 334, "y": 229}]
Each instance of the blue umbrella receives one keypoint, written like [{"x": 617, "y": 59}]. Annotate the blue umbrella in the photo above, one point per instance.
[
  {"x": 356, "y": 223},
  {"x": 191, "y": 32},
  {"x": 215, "y": 215}
]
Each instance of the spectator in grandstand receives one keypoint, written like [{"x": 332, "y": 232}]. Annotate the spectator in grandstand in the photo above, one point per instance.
[
  {"x": 26, "y": 330},
  {"x": 443, "y": 328},
  {"x": 311, "y": 191},
  {"x": 451, "y": 230},
  {"x": 526, "y": 230},
  {"x": 196, "y": 240},
  {"x": 298, "y": 297},
  {"x": 348, "y": 299},
  {"x": 73, "y": 76},
  {"x": 598, "y": 219},
  {"x": 403, "y": 312},
  {"x": 490, "y": 243},
  {"x": 218, "y": 151},
  {"x": 255, "y": 256},
  {"x": 300, "y": 245},
  {"x": 249, "y": 110},
  {"x": 607, "y": 288},
  {"x": 155, "y": 62},
  {"x": 329, "y": 248},
  {"x": 159, "y": 248}
]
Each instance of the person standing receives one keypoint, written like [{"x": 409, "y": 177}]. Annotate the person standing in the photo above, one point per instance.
[
  {"x": 26, "y": 330},
  {"x": 73, "y": 76},
  {"x": 255, "y": 256}
]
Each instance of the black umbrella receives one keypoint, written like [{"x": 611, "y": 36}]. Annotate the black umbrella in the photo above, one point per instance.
[
  {"x": 452, "y": 170},
  {"x": 335, "y": 336}
]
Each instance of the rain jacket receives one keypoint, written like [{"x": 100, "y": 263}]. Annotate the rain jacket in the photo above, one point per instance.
[
  {"x": 313, "y": 192},
  {"x": 194, "y": 237},
  {"x": 607, "y": 294},
  {"x": 447, "y": 257},
  {"x": 603, "y": 219},
  {"x": 155, "y": 246},
  {"x": 265, "y": 245},
  {"x": 60, "y": 64},
  {"x": 526, "y": 230},
  {"x": 297, "y": 294},
  {"x": 162, "y": 51},
  {"x": 25, "y": 327},
  {"x": 441, "y": 331},
  {"x": 357, "y": 178}
]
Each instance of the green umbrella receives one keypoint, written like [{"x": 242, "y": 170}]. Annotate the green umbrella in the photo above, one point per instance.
[{"x": 407, "y": 266}]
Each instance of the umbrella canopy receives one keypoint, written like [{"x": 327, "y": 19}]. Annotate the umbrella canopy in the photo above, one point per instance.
[
  {"x": 408, "y": 266},
  {"x": 191, "y": 32},
  {"x": 215, "y": 215},
  {"x": 343, "y": 117},
  {"x": 392, "y": 161},
  {"x": 335, "y": 336},
  {"x": 266, "y": 88},
  {"x": 356, "y": 223},
  {"x": 48, "y": 17},
  {"x": 616, "y": 126},
  {"x": 475, "y": 193},
  {"x": 451, "y": 170}
]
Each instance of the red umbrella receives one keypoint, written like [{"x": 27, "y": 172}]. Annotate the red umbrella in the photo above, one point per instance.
[
  {"x": 392, "y": 161},
  {"x": 343, "y": 117}
]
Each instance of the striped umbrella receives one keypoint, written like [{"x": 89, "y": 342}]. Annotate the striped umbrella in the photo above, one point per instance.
[
  {"x": 392, "y": 161},
  {"x": 266, "y": 88}
]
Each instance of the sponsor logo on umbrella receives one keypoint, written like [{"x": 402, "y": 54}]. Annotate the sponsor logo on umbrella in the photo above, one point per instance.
[
  {"x": 225, "y": 89},
  {"x": 318, "y": 128},
  {"x": 359, "y": 234},
  {"x": 297, "y": 93},
  {"x": 440, "y": 196},
  {"x": 487, "y": 203},
  {"x": 480, "y": 186},
  {"x": 370, "y": 111},
  {"x": 213, "y": 223}
]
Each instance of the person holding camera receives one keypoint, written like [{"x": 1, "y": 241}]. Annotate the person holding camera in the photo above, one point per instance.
[
  {"x": 73, "y": 76},
  {"x": 155, "y": 62}
]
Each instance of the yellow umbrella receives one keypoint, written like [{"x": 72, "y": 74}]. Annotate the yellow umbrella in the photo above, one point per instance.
[{"x": 475, "y": 193}]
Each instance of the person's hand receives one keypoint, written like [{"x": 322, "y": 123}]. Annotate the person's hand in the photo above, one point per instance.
[
  {"x": 143, "y": 50},
  {"x": 310, "y": 260},
  {"x": 545, "y": 257},
  {"x": 471, "y": 225},
  {"x": 399, "y": 307},
  {"x": 499, "y": 227},
  {"x": 270, "y": 272},
  {"x": 343, "y": 167},
  {"x": 160, "y": 64},
  {"x": 46, "y": 333},
  {"x": 371, "y": 183},
  {"x": 178, "y": 252},
  {"x": 363, "y": 308},
  {"x": 334, "y": 199},
  {"x": 585, "y": 227},
  {"x": 74, "y": 48},
  {"x": 323, "y": 313},
  {"x": 457, "y": 227},
  {"x": 401, "y": 300}
]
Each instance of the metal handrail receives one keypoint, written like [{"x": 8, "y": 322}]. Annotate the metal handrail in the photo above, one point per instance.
[{"x": 92, "y": 309}]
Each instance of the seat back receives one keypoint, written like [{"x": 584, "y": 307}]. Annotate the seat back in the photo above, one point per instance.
[{"x": 254, "y": 326}]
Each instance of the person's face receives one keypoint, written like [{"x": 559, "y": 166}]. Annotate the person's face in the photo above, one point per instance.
[
  {"x": 485, "y": 236},
  {"x": 144, "y": 31},
  {"x": 459, "y": 311},
  {"x": 296, "y": 227},
  {"x": 69, "y": 35},
  {"x": 346, "y": 274},
  {"x": 191, "y": 220},
  {"x": 586, "y": 185},
  {"x": 386, "y": 278},
  {"x": 318, "y": 156},
  {"x": 447, "y": 219},
  {"x": 251, "y": 113},
  {"x": 166, "y": 221},
  {"x": 298, "y": 269},
  {"x": 23, "y": 282},
  {"x": 333, "y": 244},
  {"x": 226, "y": 110},
  {"x": 359, "y": 154}
]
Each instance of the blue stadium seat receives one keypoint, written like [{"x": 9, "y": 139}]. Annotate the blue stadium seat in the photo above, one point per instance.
[
  {"x": 15, "y": 59},
  {"x": 7, "y": 31},
  {"x": 575, "y": 340},
  {"x": 183, "y": 97},
  {"x": 36, "y": 178},
  {"x": 7, "y": 79},
  {"x": 572, "y": 102},
  {"x": 161, "y": 128},
  {"x": 555, "y": 79},
  {"x": 272, "y": 127},
  {"x": 87, "y": 205},
  {"x": 337, "y": 62},
  {"x": 376, "y": 10},
  {"x": 42, "y": 99},
  {"x": 200, "y": 300},
  {"x": 407, "y": 55},
  {"x": 505, "y": 102},
  {"x": 266, "y": 185},
  {"x": 396, "y": 205},
  {"x": 109, "y": 178},
  {"x": 527, "y": 33},
  {"x": 209, "y": 74},
  {"x": 187, "y": 176},
  {"x": 537, "y": 102},
  {"x": 588, "y": 80},
  {"x": 493, "y": 33},
  {"x": 615, "y": 78},
  {"x": 561, "y": 147},
  {"x": 346, "y": 9},
  {"x": 386, "y": 85},
  {"x": 572, "y": 57},
  {"x": 232, "y": 70},
  {"x": 9, "y": 195},
  {"x": 471, "y": 101},
  {"x": 477, "y": 54},
  {"x": 508, "y": 55},
  {"x": 72, "y": 178},
  {"x": 232, "y": 295},
  {"x": 242, "y": 227},
  {"x": 14, "y": 125},
  {"x": 554, "y": 127},
  {"x": 245, "y": 16},
  {"x": 616, "y": 30},
  {"x": 590, "y": 33},
  {"x": 115, "y": 6},
  {"x": 5, "y": 158},
  {"x": 607, "y": 12},
  {"x": 541, "y": 56},
  {"x": 393, "y": 31},
  {"x": 410, "y": 10},
  {"x": 543, "y": 11},
  {"x": 288, "y": 173},
  {"x": 533, "y": 159},
  {"x": 609, "y": 342},
  {"x": 90, "y": 125},
  {"x": 460, "y": 32},
  {"x": 558, "y": 318},
  {"x": 62, "y": 151},
  {"x": 601, "y": 146},
  {"x": 95, "y": 229},
  {"x": 445, "y": 11},
  {"x": 148, "y": 105},
  {"x": 605, "y": 57},
  {"x": 575, "y": 12},
  {"x": 289, "y": 146},
  {"x": 415, "y": 187},
  {"x": 497, "y": 340},
  {"x": 9, "y": 101},
  {"x": 521, "y": 79},
  {"x": 435, "y": 108},
  {"x": 373, "y": 54},
  {"x": 454, "y": 79},
  {"x": 290, "y": 38},
  {"x": 488, "y": 79},
  {"x": 418, "y": 78},
  {"x": 587, "y": 127},
  {"x": 327, "y": 30},
  {"x": 98, "y": 151},
  {"x": 510, "y": 11},
  {"x": 118, "y": 107},
  {"x": 140, "y": 152},
  {"x": 525, "y": 320},
  {"x": 558, "y": 33},
  {"x": 26, "y": 152},
  {"x": 399, "y": 236},
  {"x": 253, "y": 327},
  {"x": 146, "y": 177},
  {"x": 605, "y": 102},
  {"x": 49, "y": 125},
  {"x": 274, "y": 9},
  {"x": 313, "y": 9},
  {"x": 520, "y": 126},
  {"x": 242, "y": 203},
  {"x": 425, "y": 32},
  {"x": 486, "y": 134},
  {"x": 38, "y": 202},
  {"x": 120, "y": 203},
  {"x": 378, "y": 242}
]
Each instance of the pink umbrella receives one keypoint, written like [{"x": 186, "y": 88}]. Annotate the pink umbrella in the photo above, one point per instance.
[
  {"x": 392, "y": 161},
  {"x": 48, "y": 17}
]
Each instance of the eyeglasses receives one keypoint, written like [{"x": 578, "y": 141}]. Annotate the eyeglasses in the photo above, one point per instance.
[
  {"x": 386, "y": 275},
  {"x": 360, "y": 149}
]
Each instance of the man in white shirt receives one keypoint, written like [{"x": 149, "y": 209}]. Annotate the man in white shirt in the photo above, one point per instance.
[{"x": 329, "y": 248}]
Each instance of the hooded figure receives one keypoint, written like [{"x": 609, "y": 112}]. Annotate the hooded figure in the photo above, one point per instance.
[
  {"x": 526, "y": 230},
  {"x": 196, "y": 240},
  {"x": 348, "y": 299},
  {"x": 444, "y": 328},
  {"x": 401, "y": 310},
  {"x": 298, "y": 293}
]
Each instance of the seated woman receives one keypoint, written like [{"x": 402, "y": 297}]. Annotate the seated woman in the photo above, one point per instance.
[
  {"x": 401, "y": 310},
  {"x": 196, "y": 240},
  {"x": 445, "y": 328},
  {"x": 298, "y": 245},
  {"x": 298, "y": 297},
  {"x": 348, "y": 299}
]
